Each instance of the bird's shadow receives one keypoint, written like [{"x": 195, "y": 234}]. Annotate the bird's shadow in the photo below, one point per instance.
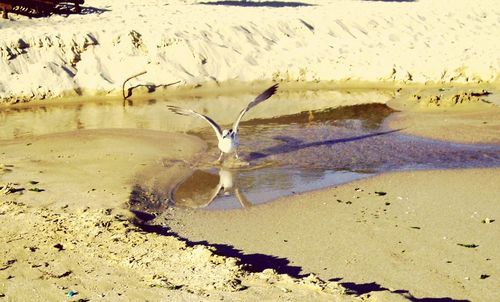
[
  {"x": 292, "y": 144},
  {"x": 274, "y": 4}
]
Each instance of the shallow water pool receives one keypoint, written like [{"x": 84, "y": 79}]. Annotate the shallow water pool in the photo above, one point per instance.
[
  {"x": 307, "y": 146},
  {"x": 313, "y": 150}
]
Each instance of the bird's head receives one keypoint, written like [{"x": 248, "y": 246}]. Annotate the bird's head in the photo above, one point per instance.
[{"x": 226, "y": 133}]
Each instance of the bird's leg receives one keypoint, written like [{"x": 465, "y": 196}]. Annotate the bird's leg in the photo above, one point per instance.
[
  {"x": 220, "y": 157},
  {"x": 236, "y": 155}
]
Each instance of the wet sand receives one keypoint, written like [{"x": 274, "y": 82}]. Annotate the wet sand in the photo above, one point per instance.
[
  {"x": 90, "y": 168},
  {"x": 481, "y": 125},
  {"x": 465, "y": 115},
  {"x": 404, "y": 239},
  {"x": 66, "y": 226}
]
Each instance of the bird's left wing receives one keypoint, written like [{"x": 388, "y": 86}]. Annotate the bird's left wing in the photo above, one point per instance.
[
  {"x": 189, "y": 112},
  {"x": 259, "y": 99}
]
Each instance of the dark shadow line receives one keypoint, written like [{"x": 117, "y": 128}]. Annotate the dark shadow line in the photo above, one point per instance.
[
  {"x": 251, "y": 262},
  {"x": 259, "y": 262},
  {"x": 61, "y": 9},
  {"x": 244, "y": 3},
  {"x": 291, "y": 145},
  {"x": 359, "y": 289},
  {"x": 83, "y": 10}
]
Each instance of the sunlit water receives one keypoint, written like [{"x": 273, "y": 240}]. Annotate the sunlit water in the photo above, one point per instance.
[
  {"x": 315, "y": 150},
  {"x": 286, "y": 155}
]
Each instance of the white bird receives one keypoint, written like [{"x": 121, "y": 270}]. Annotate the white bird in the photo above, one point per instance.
[{"x": 228, "y": 141}]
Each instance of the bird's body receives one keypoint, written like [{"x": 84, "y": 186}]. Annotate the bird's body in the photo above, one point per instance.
[{"x": 228, "y": 140}]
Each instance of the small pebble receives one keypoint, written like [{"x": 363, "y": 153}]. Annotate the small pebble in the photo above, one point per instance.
[
  {"x": 59, "y": 246},
  {"x": 488, "y": 220},
  {"x": 71, "y": 293}
]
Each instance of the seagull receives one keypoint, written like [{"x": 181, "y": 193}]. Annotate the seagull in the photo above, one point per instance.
[{"x": 228, "y": 141}]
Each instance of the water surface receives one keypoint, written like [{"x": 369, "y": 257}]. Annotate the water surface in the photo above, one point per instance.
[
  {"x": 318, "y": 149},
  {"x": 300, "y": 147}
]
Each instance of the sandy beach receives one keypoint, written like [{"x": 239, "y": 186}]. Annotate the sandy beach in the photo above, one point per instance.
[
  {"x": 407, "y": 241},
  {"x": 87, "y": 179}
]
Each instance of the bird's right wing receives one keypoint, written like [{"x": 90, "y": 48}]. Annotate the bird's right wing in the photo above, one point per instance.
[
  {"x": 259, "y": 99},
  {"x": 189, "y": 112}
]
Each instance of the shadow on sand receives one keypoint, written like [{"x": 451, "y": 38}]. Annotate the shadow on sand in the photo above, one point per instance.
[
  {"x": 274, "y": 4},
  {"x": 259, "y": 262},
  {"x": 84, "y": 10},
  {"x": 63, "y": 9}
]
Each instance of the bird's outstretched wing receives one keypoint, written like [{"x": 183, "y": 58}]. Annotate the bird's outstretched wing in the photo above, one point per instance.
[
  {"x": 189, "y": 112},
  {"x": 259, "y": 99}
]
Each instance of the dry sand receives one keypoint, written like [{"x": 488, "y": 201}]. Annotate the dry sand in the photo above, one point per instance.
[
  {"x": 100, "y": 256},
  {"x": 203, "y": 42}
]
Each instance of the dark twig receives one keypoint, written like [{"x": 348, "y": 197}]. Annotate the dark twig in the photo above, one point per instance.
[{"x": 128, "y": 79}]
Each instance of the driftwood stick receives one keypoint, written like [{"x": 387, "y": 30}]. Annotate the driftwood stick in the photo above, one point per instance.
[{"x": 128, "y": 79}]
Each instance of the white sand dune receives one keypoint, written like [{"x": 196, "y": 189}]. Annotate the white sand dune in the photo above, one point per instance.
[{"x": 218, "y": 41}]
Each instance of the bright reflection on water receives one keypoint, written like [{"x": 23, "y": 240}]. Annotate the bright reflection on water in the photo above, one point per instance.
[
  {"x": 220, "y": 188},
  {"x": 18, "y": 122}
]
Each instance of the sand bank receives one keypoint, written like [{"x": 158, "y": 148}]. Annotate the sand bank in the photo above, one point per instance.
[
  {"x": 218, "y": 41},
  {"x": 452, "y": 114},
  {"x": 90, "y": 168}
]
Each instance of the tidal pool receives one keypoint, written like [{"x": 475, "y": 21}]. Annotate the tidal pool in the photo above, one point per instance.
[
  {"x": 316, "y": 149},
  {"x": 303, "y": 146}
]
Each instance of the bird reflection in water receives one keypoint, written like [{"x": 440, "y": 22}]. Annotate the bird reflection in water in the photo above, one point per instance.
[{"x": 202, "y": 188}]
